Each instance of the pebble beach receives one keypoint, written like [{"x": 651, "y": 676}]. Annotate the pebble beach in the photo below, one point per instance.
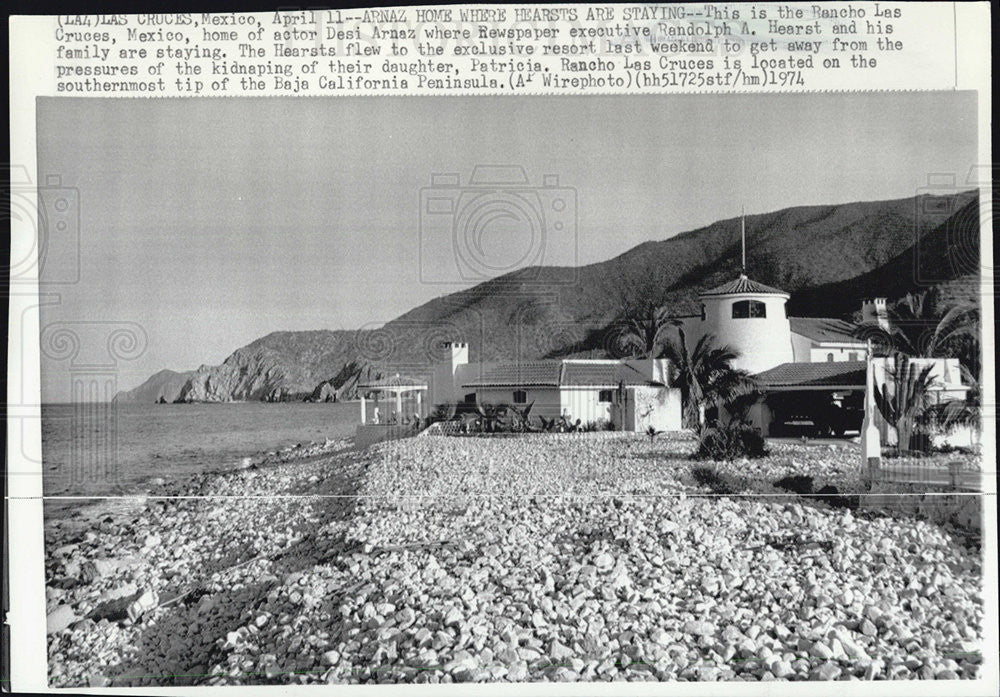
[{"x": 541, "y": 557}]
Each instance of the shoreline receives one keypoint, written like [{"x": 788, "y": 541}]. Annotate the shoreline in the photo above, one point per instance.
[
  {"x": 59, "y": 507},
  {"x": 448, "y": 559}
]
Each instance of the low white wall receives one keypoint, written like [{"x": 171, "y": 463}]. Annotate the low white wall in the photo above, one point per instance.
[
  {"x": 963, "y": 510},
  {"x": 368, "y": 434},
  {"x": 652, "y": 406}
]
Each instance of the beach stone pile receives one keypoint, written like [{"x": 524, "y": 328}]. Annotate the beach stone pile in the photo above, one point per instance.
[{"x": 540, "y": 558}]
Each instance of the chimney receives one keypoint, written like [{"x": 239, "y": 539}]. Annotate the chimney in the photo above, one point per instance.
[
  {"x": 652, "y": 369},
  {"x": 446, "y": 377},
  {"x": 874, "y": 311},
  {"x": 457, "y": 352},
  {"x": 661, "y": 371}
]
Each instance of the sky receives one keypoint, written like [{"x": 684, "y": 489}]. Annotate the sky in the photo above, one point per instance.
[{"x": 211, "y": 222}]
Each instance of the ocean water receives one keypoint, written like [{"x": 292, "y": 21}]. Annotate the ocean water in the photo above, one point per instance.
[{"x": 99, "y": 450}]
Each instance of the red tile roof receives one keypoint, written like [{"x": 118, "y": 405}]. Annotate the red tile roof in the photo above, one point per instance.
[
  {"x": 559, "y": 374},
  {"x": 832, "y": 373},
  {"x": 743, "y": 285},
  {"x": 527, "y": 373},
  {"x": 396, "y": 381},
  {"x": 602, "y": 375}
]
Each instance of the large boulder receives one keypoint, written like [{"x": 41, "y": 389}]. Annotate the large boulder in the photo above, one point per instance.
[{"x": 60, "y": 618}]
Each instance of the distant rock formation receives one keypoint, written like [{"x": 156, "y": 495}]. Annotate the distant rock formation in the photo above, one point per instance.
[
  {"x": 280, "y": 367},
  {"x": 344, "y": 385},
  {"x": 324, "y": 392},
  {"x": 164, "y": 387}
]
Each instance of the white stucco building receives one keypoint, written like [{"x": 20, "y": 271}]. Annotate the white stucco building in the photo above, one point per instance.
[
  {"x": 632, "y": 395},
  {"x": 811, "y": 370},
  {"x": 752, "y": 318},
  {"x": 741, "y": 314}
]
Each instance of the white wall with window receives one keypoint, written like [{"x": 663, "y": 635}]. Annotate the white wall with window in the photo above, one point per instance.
[
  {"x": 808, "y": 350},
  {"x": 587, "y": 403},
  {"x": 755, "y": 324},
  {"x": 826, "y": 353},
  {"x": 545, "y": 401}
]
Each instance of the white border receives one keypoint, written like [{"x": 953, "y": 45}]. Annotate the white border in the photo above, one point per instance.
[{"x": 31, "y": 68}]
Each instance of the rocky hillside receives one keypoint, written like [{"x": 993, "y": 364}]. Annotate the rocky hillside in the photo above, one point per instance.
[
  {"x": 277, "y": 367},
  {"x": 947, "y": 259},
  {"x": 827, "y": 257}
]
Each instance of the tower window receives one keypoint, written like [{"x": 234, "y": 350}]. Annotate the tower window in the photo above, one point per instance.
[
  {"x": 746, "y": 309},
  {"x": 829, "y": 358}
]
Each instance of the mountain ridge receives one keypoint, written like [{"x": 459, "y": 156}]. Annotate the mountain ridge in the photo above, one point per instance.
[{"x": 826, "y": 256}]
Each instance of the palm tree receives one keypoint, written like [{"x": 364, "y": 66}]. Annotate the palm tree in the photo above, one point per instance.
[
  {"x": 643, "y": 331},
  {"x": 917, "y": 331},
  {"x": 957, "y": 334},
  {"x": 905, "y": 404},
  {"x": 911, "y": 325},
  {"x": 642, "y": 314},
  {"x": 706, "y": 375}
]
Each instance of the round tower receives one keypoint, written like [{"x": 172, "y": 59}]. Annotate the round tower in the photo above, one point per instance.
[{"x": 750, "y": 318}]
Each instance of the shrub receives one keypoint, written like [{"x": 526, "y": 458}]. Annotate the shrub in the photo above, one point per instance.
[
  {"x": 652, "y": 432},
  {"x": 729, "y": 441},
  {"x": 799, "y": 483},
  {"x": 724, "y": 483}
]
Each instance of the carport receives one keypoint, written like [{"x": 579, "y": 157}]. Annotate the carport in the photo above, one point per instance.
[{"x": 818, "y": 398}]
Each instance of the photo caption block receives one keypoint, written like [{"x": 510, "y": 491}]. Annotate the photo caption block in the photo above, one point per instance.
[{"x": 579, "y": 49}]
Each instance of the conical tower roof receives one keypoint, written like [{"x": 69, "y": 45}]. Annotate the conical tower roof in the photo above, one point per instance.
[{"x": 741, "y": 286}]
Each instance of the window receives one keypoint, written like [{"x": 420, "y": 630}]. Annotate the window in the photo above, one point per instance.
[
  {"x": 745, "y": 309},
  {"x": 829, "y": 358},
  {"x": 470, "y": 398},
  {"x": 853, "y": 356},
  {"x": 606, "y": 396},
  {"x": 520, "y": 397},
  {"x": 703, "y": 312}
]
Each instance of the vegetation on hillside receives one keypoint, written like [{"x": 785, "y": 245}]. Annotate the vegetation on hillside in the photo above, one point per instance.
[{"x": 827, "y": 257}]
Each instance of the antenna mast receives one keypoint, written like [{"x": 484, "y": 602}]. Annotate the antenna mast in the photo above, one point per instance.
[{"x": 743, "y": 235}]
